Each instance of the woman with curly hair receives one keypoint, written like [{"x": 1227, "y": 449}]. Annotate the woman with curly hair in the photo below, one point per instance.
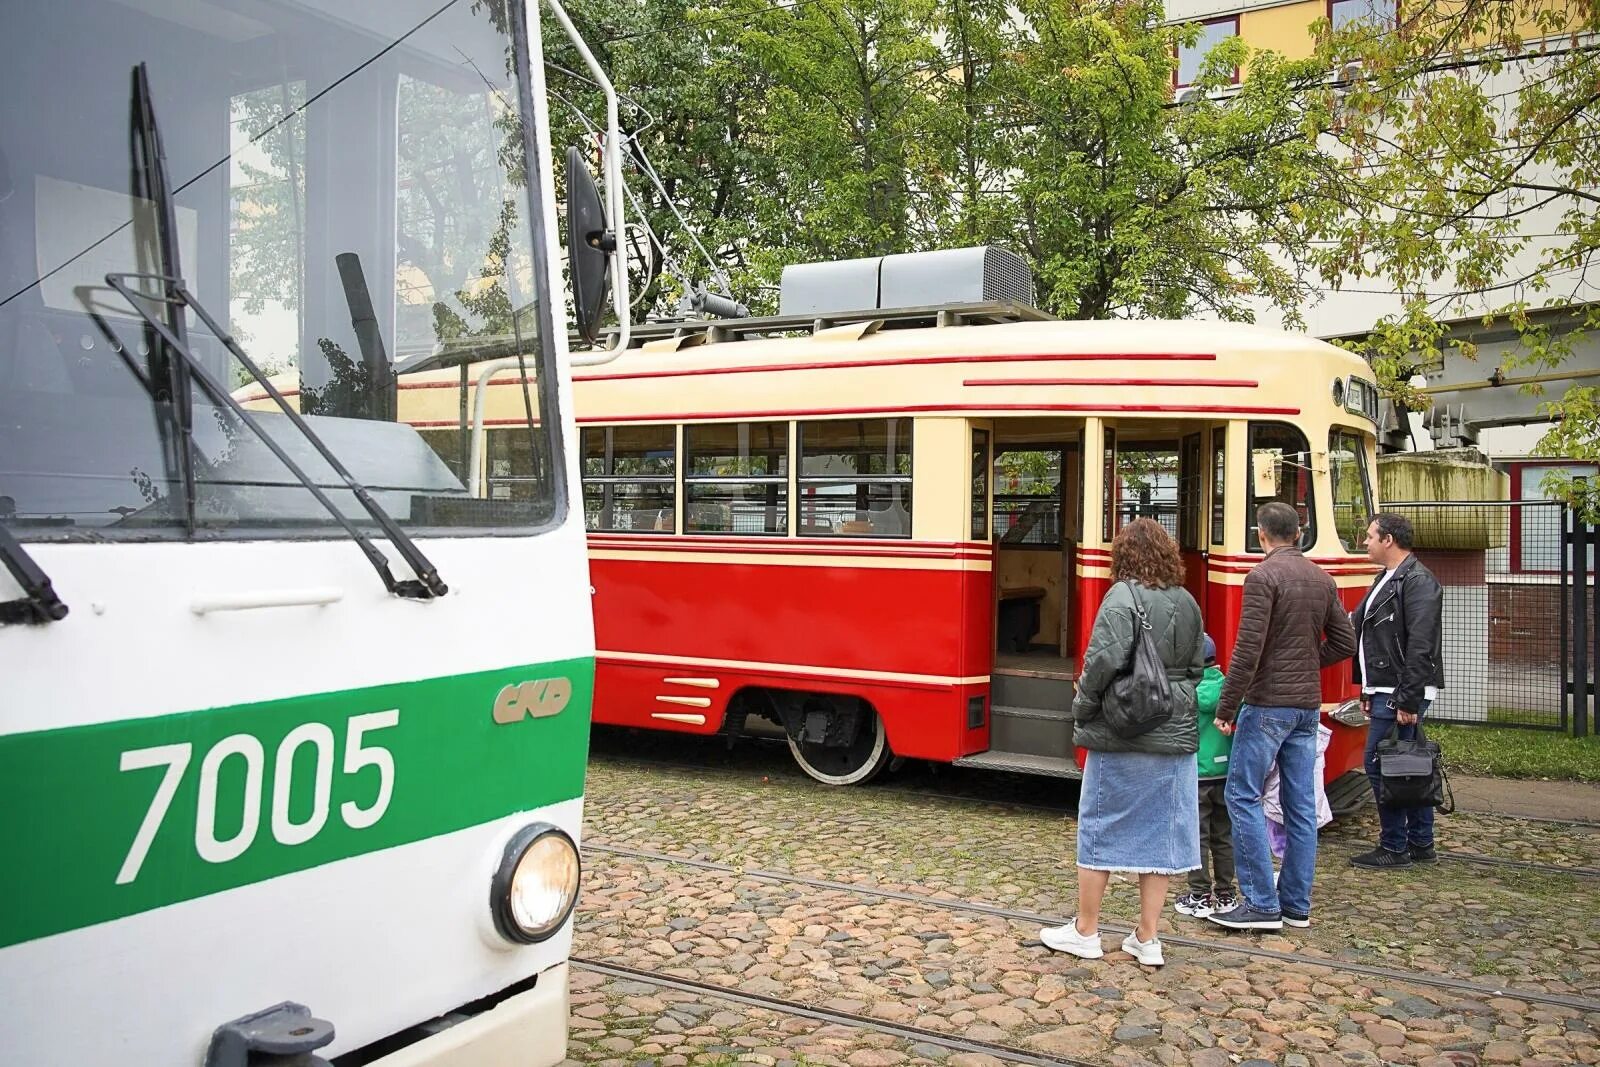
[{"x": 1139, "y": 808}]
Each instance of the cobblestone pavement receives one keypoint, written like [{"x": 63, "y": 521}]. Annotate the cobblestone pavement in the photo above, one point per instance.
[{"x": 1529, "y": 939}]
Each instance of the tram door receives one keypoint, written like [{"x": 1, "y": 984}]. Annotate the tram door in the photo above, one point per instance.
[
  {"x": 1159, "y": 472},
  {"x": 1038, "y": 525}
]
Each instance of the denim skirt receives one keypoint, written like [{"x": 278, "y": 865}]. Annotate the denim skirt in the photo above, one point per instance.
[{"x": 1139, "y": 812}]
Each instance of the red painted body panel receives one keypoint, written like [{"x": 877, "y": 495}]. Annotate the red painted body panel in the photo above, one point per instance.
[
  {"x": 811, "y": 626},
  {"x": 901, "y": 636}
]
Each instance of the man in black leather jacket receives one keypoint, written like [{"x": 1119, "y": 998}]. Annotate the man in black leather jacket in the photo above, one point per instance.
[{"x": 1400, "y": 668}]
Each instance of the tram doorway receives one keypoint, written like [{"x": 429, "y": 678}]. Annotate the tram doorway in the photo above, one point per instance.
[{"x": 1062, "y": 488}]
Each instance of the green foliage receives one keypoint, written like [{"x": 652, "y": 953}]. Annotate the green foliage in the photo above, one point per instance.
[
  {"x": 1471, "y": 141},
  {"x": 836, "y": 128}
]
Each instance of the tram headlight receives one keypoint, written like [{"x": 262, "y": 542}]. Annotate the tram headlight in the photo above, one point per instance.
[{"x": 536, "y": 886}]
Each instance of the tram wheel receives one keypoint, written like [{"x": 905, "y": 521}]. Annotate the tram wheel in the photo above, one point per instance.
[{"x": 855, "y": 763}]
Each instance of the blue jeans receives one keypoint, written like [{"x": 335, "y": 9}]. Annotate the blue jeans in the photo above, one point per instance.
[
  {"x": 1289, "y": 737},
  {"x": 1402, "y": 828}
]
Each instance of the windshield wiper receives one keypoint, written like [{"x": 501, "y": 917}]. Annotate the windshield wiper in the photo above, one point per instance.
[
  {"x": 39, "y": 603},
  {"x": 169, "y": 377},
  {"x": 428, "y": 583}
]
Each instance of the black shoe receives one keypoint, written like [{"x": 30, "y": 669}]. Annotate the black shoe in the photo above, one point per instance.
[
  {"x": 1422, "y": 855},
  {"x": 1298, "y": 921},
  {"x": 1381, "y": 859},
  {"x": 1243, "y": 917}
]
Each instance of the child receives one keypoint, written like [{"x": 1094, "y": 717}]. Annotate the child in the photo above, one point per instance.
[{"x": 1211, "y": 885}]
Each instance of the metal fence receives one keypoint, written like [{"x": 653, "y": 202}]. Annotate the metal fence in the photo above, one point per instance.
[{"x": 1507, "y": 592}]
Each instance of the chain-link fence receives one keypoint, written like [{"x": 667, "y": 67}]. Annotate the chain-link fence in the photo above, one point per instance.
[{"x": 1507, "y": 586}]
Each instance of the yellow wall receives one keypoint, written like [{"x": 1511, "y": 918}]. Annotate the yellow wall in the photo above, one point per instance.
[{"x": 1285, "y": 29}]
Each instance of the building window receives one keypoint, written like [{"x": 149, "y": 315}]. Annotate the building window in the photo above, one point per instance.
[
  {"x": 980, "y": 485},
  {"x": 1219, "y": 498},
  {"x": 736, "y": 478},
  {"x": 1352, "y": 487},
  {"x": 855, "y": 478},
  {"x": 1538, "y": 528},
  {"x": 1190, "y": 57},
  {"x": 628, "y": 478},
  {"x": 1280, "y": 469},
  {"x": 1342, "y": 13}
]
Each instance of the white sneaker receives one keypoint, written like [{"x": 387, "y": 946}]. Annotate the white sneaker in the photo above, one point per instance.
[
  {"x": 1068, "y": 939},
  {"x": 1146, "y": 952}
]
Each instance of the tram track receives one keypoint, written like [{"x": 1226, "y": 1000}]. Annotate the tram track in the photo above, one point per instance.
[
  {"x": 799, "y": 1009},
  {"x": 1424, "y": 978},
  {"x": 1452, "y": 855}
]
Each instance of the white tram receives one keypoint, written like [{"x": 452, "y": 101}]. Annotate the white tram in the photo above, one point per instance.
[{"x": 293, "y": 724}]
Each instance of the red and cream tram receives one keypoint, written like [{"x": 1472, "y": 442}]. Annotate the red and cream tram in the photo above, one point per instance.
[
  {"x": 890, "y": 542},
  {"x": 885, "y": 533}
]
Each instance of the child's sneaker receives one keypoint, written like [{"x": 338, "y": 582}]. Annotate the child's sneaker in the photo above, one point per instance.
[
  {"x": 1222, "y": 902},
  {"x": 1197, "y": 904}
]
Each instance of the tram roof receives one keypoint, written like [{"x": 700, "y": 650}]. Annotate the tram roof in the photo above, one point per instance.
[{"x": 870, "y": 342}]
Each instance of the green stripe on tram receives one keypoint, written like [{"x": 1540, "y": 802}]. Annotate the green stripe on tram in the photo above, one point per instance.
[{"x": 104, "y": 821}]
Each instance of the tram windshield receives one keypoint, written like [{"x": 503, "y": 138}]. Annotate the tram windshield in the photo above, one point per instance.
[{"x": 349, "y": 191}]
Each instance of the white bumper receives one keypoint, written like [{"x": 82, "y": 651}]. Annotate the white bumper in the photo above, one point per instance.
[{"x": 528, "y": 1030}]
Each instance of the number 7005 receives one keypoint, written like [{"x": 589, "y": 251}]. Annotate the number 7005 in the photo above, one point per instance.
[{"x": 246, "y": 747}]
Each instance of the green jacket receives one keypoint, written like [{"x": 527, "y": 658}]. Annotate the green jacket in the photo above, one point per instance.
[
  {"x": 1175, "y": 625},
  {"x": 1214, "y": 744}
]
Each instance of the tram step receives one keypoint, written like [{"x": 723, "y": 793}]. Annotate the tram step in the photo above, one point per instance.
[
  {"x": 1030, "y": 690},
  {"x": 1030, "y": 731},
  {"x": 1022, "y": 763},
  {"x": 1349, "y": 793}
]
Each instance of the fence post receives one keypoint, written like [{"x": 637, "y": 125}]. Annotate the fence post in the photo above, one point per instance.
[
  {"x": 1580, "y": 625},
  {"x": 1568, "y": 702}
]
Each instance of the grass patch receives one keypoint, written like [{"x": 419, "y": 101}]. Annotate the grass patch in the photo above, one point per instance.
[{"x": 1498, "y": 752}]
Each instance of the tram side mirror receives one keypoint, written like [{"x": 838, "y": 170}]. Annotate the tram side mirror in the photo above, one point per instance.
[{"x": 589, "y": 247}]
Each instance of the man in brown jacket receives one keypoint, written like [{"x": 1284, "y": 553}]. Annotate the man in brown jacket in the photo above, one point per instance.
[{"x": 1291, "y": 625}]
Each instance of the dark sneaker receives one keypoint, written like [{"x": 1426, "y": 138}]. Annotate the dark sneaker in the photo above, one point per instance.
[
  {"x": 1381, "y": 859},
  {"x": 1422, "y": 854},
  {"x": 1300, "y": 922},
  {"x": 1243, "y": 917},
  {"x": 1192, "y": 903}
]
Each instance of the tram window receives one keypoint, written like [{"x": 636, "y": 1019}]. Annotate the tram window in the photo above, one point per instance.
[
  {"x": 628, "y": 478},
  {"x": 1352, "y": 487},
  {"x": 1280, "y": 469},
  {"x": 1145, "y": 485},
  {"x": 1027, "y": 495},
  {"x": 736, "y": 478},
  {"x": 980, "y": 485},
  {"x": 1191, "y": 484},
  {"x": 1108, "y": 486},
  {"x": 301, "y": 142},
  {"x": 855, "y": 478},
  {"x": 1219, "y": 471}
]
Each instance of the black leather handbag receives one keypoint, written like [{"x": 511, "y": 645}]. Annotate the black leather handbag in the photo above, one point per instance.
[
  {"x": 1140, "y": 697},
  {"x": 1411, "y": 773}
]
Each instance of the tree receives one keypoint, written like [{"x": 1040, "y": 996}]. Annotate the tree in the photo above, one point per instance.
[
  {"x": 861, "y": 127},
  {"x": 1130, "y": 206},
  {"x": 1472, "y": 145}
]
